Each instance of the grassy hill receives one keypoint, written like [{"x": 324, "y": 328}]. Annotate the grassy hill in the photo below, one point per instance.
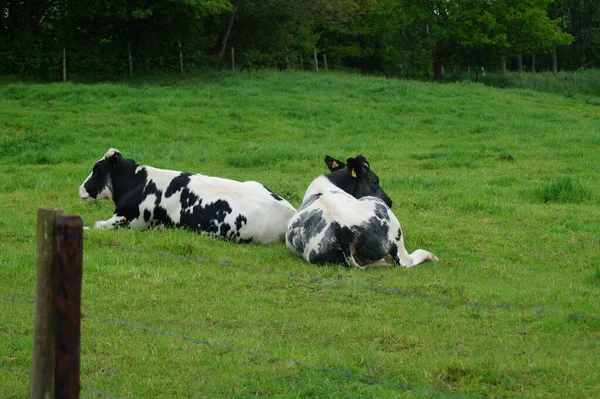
[{"x": 500, "y": 184}]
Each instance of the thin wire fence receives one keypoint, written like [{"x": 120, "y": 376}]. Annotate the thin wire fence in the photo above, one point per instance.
[{"x": 444, "y": 301}]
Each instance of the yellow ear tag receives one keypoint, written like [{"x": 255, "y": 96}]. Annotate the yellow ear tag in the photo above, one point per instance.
[
  {"x": 353, "y": 173},
  {"x": 334, "y": 164}
]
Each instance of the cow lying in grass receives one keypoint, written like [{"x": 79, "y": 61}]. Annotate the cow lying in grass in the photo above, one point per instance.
[
  {"x": 145, "y": 197},
  {"x": 345, "y": 217}
]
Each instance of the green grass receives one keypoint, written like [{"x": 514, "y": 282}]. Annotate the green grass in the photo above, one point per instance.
[{"x": 500, "y": 184}]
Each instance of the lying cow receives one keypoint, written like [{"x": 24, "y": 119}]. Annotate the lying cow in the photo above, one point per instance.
[
  {"x": 345, "y": 217},
  {"x": 145, "y": 197}
]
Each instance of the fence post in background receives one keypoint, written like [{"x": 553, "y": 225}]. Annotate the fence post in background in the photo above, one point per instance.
[
  {"x": 325, "y": 62},
  {"x": 316, "y": 61},
  {"x": 232, "y": 58},
  {"x": 130, "y": 61},
  {"x": 68, "y": 256},
  {"x": 301, "y": 62},
  {"x": 180, "y": 56},
  {"x": 64, "y": 64},
  {"x": 42, "y": 368}
]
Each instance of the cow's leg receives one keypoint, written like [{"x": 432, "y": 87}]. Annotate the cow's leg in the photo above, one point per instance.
[
  {"x": 112, "y": 223},
  {"x": 403, "y": 258},
  {"x": 352, "y": 259},
  {"x": 387, "y": 261}
]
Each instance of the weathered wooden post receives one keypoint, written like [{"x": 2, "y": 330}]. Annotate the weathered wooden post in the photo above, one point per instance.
[
  {"x": 301, "y": 62},
  {"x": 42, "y": 368},
  {"x": 316, "y": 60},
  {"x": 56, "y": 343},
  {"x": 325, "y": 62},
  {"x": 232, "y": 58},
  {"x": 68, "y": 252},
  {"x": 180, "y": 55},
  {"x": 64, "y": 64},
  {"x": 129, "y": 59}
]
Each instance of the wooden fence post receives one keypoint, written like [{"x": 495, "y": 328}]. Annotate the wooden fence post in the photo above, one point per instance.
[
  {"x": 180, "y": 56},
  {"x": 68, "y": 252},
  {"x": 64, "y": 64},
  {"x": 42, "y": 368},
  {"x": 130, "y": 60},
  {"x": 232, "y": 58},
  {"x": 316, "y": 60},
  {"x": 325, "y": 62},
  {"x": 301, "y": 62}
]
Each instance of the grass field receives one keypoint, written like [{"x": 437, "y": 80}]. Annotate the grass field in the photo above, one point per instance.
[{"x": 502, "y": 185}]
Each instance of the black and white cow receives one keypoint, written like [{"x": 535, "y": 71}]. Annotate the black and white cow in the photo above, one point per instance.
[
  {"x": 345, "y": 217},
  {"x": 145, "y": 197}
]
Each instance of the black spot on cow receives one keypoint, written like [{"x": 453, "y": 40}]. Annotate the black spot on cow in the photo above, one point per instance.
[
  {"x": 371, "y": 239},
  {"x": 240, "y": 221},
  {"x": 225, "y": 227},
  {"x": 277, "y": 197},
  {"x": 206, "y": 218},
  {"x": 147, "y": 215},
  {"x": 178, "y": 183},
  {"x": 381, "y": 211},
  {"x": 399, "y": 234},
  {"x": 149, "y": 189},
  {"x": 306, "y": 226},
  {"x": 162, "y": 218},
  {"x": 188, "y": 198},
  {"x": 334, "y": 247}
]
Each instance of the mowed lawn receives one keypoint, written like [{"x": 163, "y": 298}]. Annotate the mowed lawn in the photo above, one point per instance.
[{"x": 502, "y": 185}]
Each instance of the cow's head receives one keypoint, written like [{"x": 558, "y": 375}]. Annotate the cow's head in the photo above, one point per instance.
[
  {"x": 356, "y": 178},
  {"x": 98, "y": 184}
]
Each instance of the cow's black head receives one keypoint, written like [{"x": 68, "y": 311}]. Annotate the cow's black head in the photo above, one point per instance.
[
  {"x": 98, "y": 184},
  {"x": 356, "y": 178}
]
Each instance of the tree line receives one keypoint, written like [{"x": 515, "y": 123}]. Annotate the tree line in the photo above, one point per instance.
[{"x": 400, "y": 37}]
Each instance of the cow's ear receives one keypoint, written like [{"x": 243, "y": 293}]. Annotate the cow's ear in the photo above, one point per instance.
[
  {"x": 354, "y": 166},
  {"x": 334, "y": 164}
]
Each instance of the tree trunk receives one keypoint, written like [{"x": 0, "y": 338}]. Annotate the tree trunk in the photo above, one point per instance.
[
  {"x": 226, "y": 36},
  {"x": 554, "y": 61},
  {"x": 533, "y": 63}
]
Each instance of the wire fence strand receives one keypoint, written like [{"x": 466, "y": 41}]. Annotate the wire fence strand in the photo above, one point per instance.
[
  {"x": 278, "y": 359},
  {"x": 442, "y": 300}
]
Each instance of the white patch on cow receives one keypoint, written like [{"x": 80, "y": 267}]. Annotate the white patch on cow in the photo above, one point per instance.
[
  {"x": 108, "y": 224},
  {"x": 83, "y": 194}
]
